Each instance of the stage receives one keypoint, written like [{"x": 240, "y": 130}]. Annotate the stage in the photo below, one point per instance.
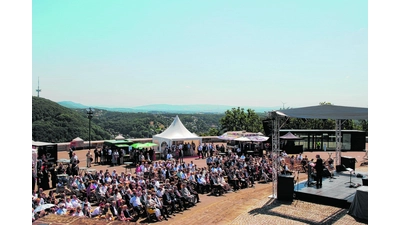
[{"x": 334, "y": 192}]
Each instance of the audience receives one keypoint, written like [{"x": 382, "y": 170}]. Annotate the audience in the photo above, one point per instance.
[{"x": 162, "y": 187}]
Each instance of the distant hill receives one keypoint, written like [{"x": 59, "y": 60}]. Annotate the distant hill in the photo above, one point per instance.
[
  {"x": 72, "y": 105},
  {"x": 52, "y": 122},
  {"x": 165, "y": 108}
]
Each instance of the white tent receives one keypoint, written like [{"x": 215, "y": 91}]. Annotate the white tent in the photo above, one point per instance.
[
  {"x": 175, "y": 132},
  {"x": 119, "y": 137},
  {"x": 76, "y": 142}
]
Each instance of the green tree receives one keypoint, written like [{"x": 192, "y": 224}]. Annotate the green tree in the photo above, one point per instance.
[
  {"x": 213, "y": 132},
  {"x": 237, "y": 119}
]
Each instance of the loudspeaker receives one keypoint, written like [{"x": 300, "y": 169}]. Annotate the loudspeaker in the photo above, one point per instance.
[
  {"x": 348, "y": 162},
  {"x": 267, "y": 124},
  {"x": 285, "y": 187},
  {"x": 365, "y": 181},
  {"x": 340, "y": 168}
]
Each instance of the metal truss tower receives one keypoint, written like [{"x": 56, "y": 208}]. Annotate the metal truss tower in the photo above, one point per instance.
[
  {"x": 338, "y": 134},
  {"x": 38, "y": 89},
  {"x": 275, "y": 152}
]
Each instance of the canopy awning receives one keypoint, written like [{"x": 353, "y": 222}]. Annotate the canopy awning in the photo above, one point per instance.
[
  {"x": 122, "y": 145},
  {"x": 243, "y": 136},
  {"x": 326, "y": 112},
  {"x": 290, "y": 136}
]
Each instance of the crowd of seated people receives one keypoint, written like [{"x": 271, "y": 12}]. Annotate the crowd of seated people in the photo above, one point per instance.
[{"x": 156, "y": 188}]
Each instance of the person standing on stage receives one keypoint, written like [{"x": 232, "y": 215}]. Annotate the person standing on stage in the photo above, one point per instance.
[{"x": 319, "y": 167}]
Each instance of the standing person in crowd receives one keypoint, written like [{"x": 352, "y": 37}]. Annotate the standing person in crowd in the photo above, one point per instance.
[
  {"x": 96, "y": 155},
  {"x": 151, "y": 153},
  {"x": 53, "y": 174},
  {"x": 193, "y": 146},
  {"x": 115, "y": 157},
  {"x": 109, "y": 156},
  {"x": 205, "y": 150},
  {"x": 70, "y": 151},
  {"x": 181, "y": 154},
  {"x": 89, "y": 159},
  {"x": 104, "y": 156},
  {"x": 292, "y": 159},
  {"x": 199, "y": 151},
  {"x": 319, "y": 167},
  {"x": 121, "y": 155},
  {"x": 45, "y": 179}
]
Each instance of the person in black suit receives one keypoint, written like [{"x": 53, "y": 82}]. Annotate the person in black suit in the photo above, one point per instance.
[
  {"x": 86, "y": 211},
  {"x": 167, "y": 200},
  {"x": 114, "y": 209},
  {"x": 176, "y": 198},
  {"x": 232, "y": 180},
  {"x": 319, "y": 167},
  {"x": 127, "y": 214},
  {"x": 192, "y": 190}
]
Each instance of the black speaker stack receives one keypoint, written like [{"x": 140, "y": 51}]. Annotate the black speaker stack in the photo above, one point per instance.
[{"x": 285, "y": 187}]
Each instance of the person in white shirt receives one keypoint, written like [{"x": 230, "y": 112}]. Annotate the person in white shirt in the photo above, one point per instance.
[
  {"x": 75, "y": 157},
  {"x": 130, "y": 178},
  {"x": 202, "y": 183},
  {"x": 109, "y": 156},
  {"x": 219, "y": 170},
  {"x": 108, "y": 179},
  {"x": 101, "y": 191},
  {"x": 68, "y": 203},
  {"x": 156, "y": 183},
  {"x": 199, "y": 151},
  {"x": 86, "y": 201},
  {"x": 191, "y": 177},
  {"x": 136, "y": 203},
  {"x": 160, "y": 191},
  {"x": 98, "y": 210},
  {"x": 169, "y": 156},
  {"x": 75, "y": 201},
  {"x": 114, "y": 159},
  {"x": 299, "y": 157},
  {"x": 141, "y": 181},
  {"x": 114, "y": 174},
  {"x": 78, "y": 212}
]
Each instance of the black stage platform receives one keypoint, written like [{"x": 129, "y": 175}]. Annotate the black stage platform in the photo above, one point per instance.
[{"x": 334, "y": 192}]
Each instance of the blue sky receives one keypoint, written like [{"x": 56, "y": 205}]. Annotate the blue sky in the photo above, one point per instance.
[{"x": 239, "y": 53}]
